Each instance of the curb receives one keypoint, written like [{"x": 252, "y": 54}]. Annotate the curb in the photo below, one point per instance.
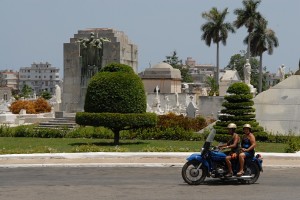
[
  {"x": 127, "y": 159},
  {"x": 128, "y": 155}
]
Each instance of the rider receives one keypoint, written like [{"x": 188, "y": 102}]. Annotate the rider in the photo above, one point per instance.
[
  {"x": 234, "y": 144},
  {"x": 248, "y": 145}
]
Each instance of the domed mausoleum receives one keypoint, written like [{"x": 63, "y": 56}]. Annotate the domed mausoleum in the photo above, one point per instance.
[{"x": 162, "y": 75}]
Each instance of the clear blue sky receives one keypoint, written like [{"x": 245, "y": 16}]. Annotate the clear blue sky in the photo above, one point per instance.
[{"x": 35, "y": 30}]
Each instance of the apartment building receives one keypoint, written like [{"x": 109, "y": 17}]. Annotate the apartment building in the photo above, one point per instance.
[
  {"x": 9, "y": 78},
  {"x": 40, "y": 77}
]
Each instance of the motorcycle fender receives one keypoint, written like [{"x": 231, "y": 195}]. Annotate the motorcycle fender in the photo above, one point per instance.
[
  {"x": 258, "y": 162},
  {"x": 198, "y": 157}
]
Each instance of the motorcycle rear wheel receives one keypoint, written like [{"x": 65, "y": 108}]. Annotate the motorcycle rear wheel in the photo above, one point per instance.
[
  {"x": 252, "y": 169},
  {"x": 191, "y": 175}
]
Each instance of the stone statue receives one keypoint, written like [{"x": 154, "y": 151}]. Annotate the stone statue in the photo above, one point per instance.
[
  {"x": 58, "y": 94},
  {"x": 281, "y": 72},
  {"x": 247, "y": 72},
  {"x": 91, "y": 52}
]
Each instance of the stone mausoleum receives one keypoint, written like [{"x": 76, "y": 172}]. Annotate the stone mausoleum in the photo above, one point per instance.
[
  {"x": 163, "y": 76},
  {"x": 278, "y": 109},
  {"x": 120, "y": 49}
]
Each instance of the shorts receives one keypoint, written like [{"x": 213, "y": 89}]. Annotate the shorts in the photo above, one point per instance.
[{"x": 248, "y": 154}]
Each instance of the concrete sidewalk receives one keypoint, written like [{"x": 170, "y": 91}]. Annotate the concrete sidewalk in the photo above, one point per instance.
[{"x": 128, "y": 159}]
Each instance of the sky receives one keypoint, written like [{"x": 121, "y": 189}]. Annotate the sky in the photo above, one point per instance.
[{"x": 35, "y": 30}]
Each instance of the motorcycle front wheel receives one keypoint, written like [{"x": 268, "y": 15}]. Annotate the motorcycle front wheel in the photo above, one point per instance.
[{"x": 191, "y": 175}]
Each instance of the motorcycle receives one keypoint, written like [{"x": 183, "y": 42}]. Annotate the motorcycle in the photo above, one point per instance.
[{"x": 211, "y": 163}]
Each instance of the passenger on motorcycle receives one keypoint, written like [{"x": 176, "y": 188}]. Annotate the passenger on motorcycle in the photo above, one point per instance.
[
  {"x": 234, "y": 145},
  {"x": 248, "y": 145}
]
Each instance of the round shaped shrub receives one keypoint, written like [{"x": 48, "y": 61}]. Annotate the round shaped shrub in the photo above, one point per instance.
[
  {"x": 115, "y": 89},
  {"x": 239, "y": 88}
]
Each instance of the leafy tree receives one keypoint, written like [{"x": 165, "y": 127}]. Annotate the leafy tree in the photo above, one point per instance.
[
  {"x": 26, "y": 91},
  {"x": 46, "y": 95},
  {"x": 216, "y": 30},
  {"x": 238, "y": 109},
  {"x": 176, "y": 63},
  {"x": 248, "y": 16},
  {"x": 262, "y": 39},
  {"x": 116, "y": 99}
]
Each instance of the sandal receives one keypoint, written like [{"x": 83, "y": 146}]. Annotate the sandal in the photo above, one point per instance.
[
  {"x": 240, "y": 173},
  {"x": 229, "y": 174}
]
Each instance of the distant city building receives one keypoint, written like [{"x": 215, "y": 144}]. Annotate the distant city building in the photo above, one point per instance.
[
  {"x": 40, "y": 77},
  {"x": 120, "y": 50},
  {"x": 163, "y": 76},
  {"x": 9, "y": 78},
  {"x": 199, "y": 72}
]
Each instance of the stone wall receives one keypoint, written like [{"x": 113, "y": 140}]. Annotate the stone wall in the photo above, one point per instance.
[{"x": 208, "y": 106}]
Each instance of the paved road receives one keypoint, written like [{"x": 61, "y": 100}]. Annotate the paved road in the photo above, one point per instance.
[{"x": 72, "y": 183}]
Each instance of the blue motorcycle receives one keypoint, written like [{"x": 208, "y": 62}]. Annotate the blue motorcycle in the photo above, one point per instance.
[{"x": 211, "y": 163}]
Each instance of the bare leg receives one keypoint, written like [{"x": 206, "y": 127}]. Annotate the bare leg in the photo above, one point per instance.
[
  {"x": 228, "y": 162},
  {"x": 229, "y": 174},
  {"x": 242, "y": 161}
]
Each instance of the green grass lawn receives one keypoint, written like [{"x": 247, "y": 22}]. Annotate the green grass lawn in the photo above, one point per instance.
[{"x": 15, "y": 145}]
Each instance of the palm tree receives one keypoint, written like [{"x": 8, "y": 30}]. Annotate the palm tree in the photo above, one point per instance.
[
  {"x": 211, "y": 83},
  {"x": 247, "y": 17},
  {"x": 262, "y": 39},
  {"x": 216, "y": 30}
]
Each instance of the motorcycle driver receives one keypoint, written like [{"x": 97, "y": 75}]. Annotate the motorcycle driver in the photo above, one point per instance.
[
  {"x": 248, "y": 145},
  {"x": 234, "y": 145}
]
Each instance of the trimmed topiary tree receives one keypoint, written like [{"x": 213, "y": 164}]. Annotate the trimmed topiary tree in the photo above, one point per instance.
[
  {"x": 238, "y": 109},
  {"x": 116, "y": 99}
]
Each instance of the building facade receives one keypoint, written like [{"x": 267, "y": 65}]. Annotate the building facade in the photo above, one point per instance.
[
  {"x": 163, "y": 76},
  {"x": 9, "y": 78},
  {"x": 40, "y": 77},
  {"x": 120, "y": 50},
  {"x": 5, "y": 94},
  {"x": 199, "y": 72}
]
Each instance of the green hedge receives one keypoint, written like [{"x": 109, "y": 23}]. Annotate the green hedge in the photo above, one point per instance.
[
  {"x": 116, "y": 120},
  {"x": 237, "y": 105},
  {"x": 238, "y": 98}
]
